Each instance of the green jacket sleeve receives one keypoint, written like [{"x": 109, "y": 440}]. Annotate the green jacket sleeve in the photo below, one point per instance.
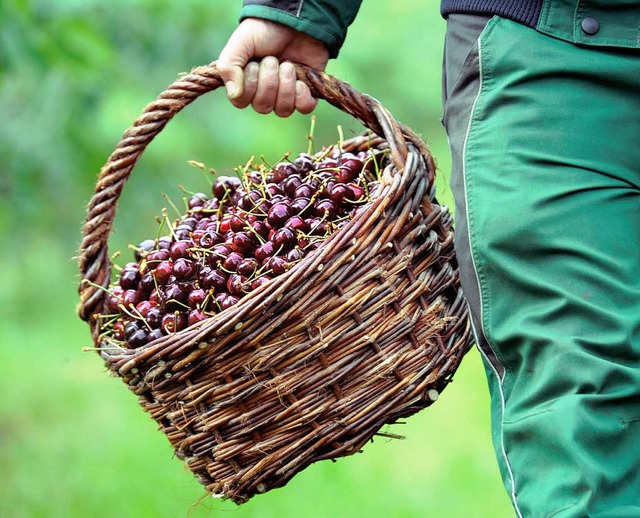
[{"x": 325, "y": 20}]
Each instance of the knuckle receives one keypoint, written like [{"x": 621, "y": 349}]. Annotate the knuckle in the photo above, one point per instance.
[
  {"x": 270, "y": 83},
  {"x": 223, "y": 70}
]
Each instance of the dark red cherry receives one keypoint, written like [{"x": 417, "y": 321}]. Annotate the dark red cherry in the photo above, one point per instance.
[
  {"x": 280, "y": 198},
  {"x": 260, "y": 281},
  {"x": 241, "y": 242},
  {"x": 339, "y": 192},
  {"x": 131, "y": 327},
  {"x": 236, "y": 223},
  {"x": 300, "y": 205},
  {"x": 182, "y": 233},
  {"x": 273, "y": 189},
  {"x": 175, "y": 296},
  {"x": 156, "y": 256},
  {"x": 218, "y": 254},
  {"x": 188, "y": 223},
  {"x": 131, "y": 298},
  {"x": 278, "y": 265},
  {"x": 184, "y": 269},
  {"x": 231, "y": 300},
  {"x": 202, "y": 223},
  {"x": 351, "y": 161},
  {"x": 265, "y": 250},
  {"x": 284, "y": 238},
  {"x": 195, "y": 316},
  {"x": 304, "y": 191},
  {"x": 162, "y": 272},
  {"x": 225, "y": 186},
  {"x": 113, "y": 303},
  {"x": 303, "y": 162},
  {"x": 118, "y": 330},
  {"x": 291, "y": 183},
  {"x": 139, "y": 338},
  {"x": 198, "y": 200},
  {"x": 282, "y": 171},
  {"x": 357, "y": 192},
  {"x": 154, "y": 317},
  {"x": 156, "y": 296},
  {"x": 325, "y": 209},
  {"x": 294, "y": 255},
  {"x": 225, "y": 224},
  {"x": 314, "y": 184},
  {"x": 247, "y": 266},
  {"x": 327, "y": 163},
  {"x": 278, "y": 214},
  {"x": 345, "y": 175},
  {"x": 261, "y": 228},
  {"x": 212, "y": 205},
  {"x": 250, "y": 200},
  {"x": 143, "y": 307},
  {"x": 209, "y": 238},
  {"x": 144, "y": 248},
  {"x": 297, "y": 223},
  {"x": 164, "y": 242},
  {"x": 213, "y": 279},
  {"x": 129, "y": 279},
  {"x": 262, "y": 208},
  {"x": 174, "y": 322},
  {"x": 232, "y": 261},
  {"x": 236, "y": 284},
  {"x": 318, "y": 227},
  {"x": 196, "y": 298},
  {"x": 147, "y": 283},
  {"x": 155, "y": 334},
  {"x": 327, "y": 186}
]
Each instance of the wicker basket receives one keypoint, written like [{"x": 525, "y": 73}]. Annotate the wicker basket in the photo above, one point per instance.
[{"x": 366, "y": 330}]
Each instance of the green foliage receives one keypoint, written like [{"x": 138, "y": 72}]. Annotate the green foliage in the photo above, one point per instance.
[{"x": 73, "y": 442}]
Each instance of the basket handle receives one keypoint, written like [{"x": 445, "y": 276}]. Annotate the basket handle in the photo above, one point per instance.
[{"x": 95, "y": 266}]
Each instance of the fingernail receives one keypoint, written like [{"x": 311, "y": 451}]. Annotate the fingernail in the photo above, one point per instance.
[
  {"x": 232, "y": 91},
  {"x": 299, "y": 88},
  {"x": 252, "y": 72},
  {"x": 288, "y": 72},
  {"x": 271, "y": 65}
]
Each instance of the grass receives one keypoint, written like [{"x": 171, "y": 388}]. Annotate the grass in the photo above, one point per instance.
[{"x": 74, "y": 443}]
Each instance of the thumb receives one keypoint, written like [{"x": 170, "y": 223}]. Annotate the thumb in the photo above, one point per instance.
[
  {"x": 232, "y": 60},
  {"x": 233, "y": 81}
]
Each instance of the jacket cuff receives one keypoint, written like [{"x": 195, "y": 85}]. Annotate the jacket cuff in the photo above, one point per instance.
[{"x": 324, "y": 20}]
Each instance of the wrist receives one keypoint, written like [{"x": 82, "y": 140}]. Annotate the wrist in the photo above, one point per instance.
[{"x": 324, "y": 36}]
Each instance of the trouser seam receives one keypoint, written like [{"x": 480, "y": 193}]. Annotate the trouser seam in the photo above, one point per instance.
[{"x": 484, "y": 77}]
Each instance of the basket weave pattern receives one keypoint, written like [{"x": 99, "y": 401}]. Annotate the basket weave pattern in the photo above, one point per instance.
[{"x": 366, "y": 330}]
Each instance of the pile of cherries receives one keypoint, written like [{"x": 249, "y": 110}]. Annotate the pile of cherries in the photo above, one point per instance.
[{"x": 255, "y": 227}]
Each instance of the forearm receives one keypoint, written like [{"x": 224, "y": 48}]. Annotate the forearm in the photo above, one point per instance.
[{"x": 325, "y": 20}]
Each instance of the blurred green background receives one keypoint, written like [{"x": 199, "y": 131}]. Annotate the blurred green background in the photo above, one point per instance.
[{"x": 73, "y": 442}]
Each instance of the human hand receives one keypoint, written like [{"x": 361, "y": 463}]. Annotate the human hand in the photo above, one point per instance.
[{"x": 271, "y": 85}]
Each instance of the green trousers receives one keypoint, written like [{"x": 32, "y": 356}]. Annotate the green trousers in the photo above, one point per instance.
[{"x": 545, "y": 142}]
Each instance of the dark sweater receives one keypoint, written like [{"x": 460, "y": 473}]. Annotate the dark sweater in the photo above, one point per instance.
[{"x": 523, "y": 11}]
